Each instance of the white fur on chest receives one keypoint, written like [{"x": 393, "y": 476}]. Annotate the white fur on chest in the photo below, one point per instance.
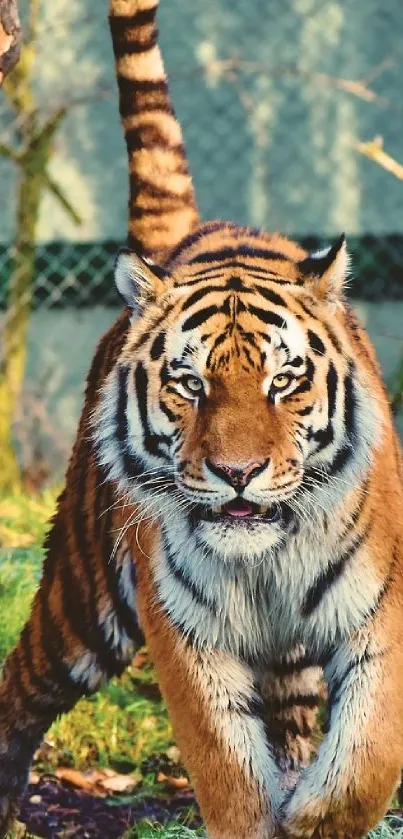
[{"x": 258, "y": 609}]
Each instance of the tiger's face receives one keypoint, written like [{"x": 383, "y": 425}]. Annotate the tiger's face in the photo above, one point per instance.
[{"x": 234, "y": 403}]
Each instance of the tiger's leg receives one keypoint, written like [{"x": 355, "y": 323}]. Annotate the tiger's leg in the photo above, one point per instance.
[
  {"x": 346, "y": 790},
  {"x": 292, "y": 691},
  {"x": 81, "y": 631},
  {"x": 217, "y": 719}
]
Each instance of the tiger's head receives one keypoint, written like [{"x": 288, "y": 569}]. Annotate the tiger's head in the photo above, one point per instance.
[{"x": 239, "y": 402}]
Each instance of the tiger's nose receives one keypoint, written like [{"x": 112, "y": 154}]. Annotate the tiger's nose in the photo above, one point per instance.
[{"x": 237, "y": 475}]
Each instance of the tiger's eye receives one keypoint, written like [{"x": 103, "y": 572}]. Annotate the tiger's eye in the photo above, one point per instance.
[
  {"x": 281, "y": 381},
  {"x": 192, "y": 384}
]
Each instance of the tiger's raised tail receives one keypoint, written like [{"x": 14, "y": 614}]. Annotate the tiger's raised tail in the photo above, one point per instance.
[{"x": 162, "y": 205}]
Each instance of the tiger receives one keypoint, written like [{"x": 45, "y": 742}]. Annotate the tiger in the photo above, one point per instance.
[{"x": 234, "y": 499}]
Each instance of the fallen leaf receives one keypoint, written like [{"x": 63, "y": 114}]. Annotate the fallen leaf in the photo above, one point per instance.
[
  {"x": 176, "y": 783},
  {"x": 77, "y": 779},
  {"x": 120, "y": 783},
  {"x": 99, "y": 781}
]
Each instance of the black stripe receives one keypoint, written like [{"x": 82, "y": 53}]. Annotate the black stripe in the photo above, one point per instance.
[
  {"x": 167, "y": 411},
  {"x": 330, "y": 575},
  {"x": 325, "y": 436},
  {"x": 248, "y": 356},
  {"x": 199, "y": 294},
  {"x": 284, "y": 667},
  {"x": 305, "y": 700},
  {"x": 350, "y": 404},
  {"x": 80, "y": 608},
  {"x": 304, "y": 387},
  {"x": 195, "y": 320},
  {"x": 148, "y": 187},
  {"x": 121, "y": 405},
  {"x": 53, "y": 648},
  {"x": 158, "y": 346},
  {"x": 47, "y": 692},
  {"x": 272, "y": 296},
  {"x": 329, "y": 332},
  {"x": 315, "y": 343},
  {"x": 151, "y": 441},
  {"x": 333, "y": 339},
  {"x": 235, "y": 284},
  {"x": 131, "y": 99},
  {"x": 233, "y": 253},
  {"x": 190, "y": 585},
  {"x": 331, "y": 383},
  {"x": 296, "y": 362},
  {"x": 120, "y": 24},
  {"x": 127, "y": 47},
  {"x": 267, "y": 317},
  {"x": 215, "y": 271},
  {"x": 212, "y": 273}
]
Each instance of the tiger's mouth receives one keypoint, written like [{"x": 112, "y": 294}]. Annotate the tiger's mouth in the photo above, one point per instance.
[{"x": 239, "y": 512}]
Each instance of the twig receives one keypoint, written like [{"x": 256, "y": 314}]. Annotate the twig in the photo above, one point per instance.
[{"x": 374, "y": 151}]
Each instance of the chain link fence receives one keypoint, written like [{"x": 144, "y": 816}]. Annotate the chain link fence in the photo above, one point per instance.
[{"x": 293, "y": 118}]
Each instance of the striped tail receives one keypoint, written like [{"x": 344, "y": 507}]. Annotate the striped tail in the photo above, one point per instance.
[{"x": 162, "y": 205}]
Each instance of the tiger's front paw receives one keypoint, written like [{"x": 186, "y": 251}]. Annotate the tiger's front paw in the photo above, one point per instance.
[
  {"x": 318, "y": 818},
  {"x": 301, "y": 820}
]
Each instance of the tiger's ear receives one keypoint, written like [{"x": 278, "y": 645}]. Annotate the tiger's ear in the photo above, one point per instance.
[
  {"x": 325, "y": 272},
  {"x": 138, "y": 280}
]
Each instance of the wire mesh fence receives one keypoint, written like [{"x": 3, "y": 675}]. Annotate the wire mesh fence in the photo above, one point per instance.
[{"x": 283, "y": 106}]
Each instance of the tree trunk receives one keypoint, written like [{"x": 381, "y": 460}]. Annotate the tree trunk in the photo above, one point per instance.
[{"x": 16, "y": 325}]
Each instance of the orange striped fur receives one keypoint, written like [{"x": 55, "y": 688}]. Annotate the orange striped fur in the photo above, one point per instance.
[
  {"x": 162, "y": 204},
  {"x": 234, "y": 496}
]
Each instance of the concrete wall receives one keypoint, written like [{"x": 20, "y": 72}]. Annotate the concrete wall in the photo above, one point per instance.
[
  {"x": 62, "y": 343},
  {"x": 273, "y": 145}
]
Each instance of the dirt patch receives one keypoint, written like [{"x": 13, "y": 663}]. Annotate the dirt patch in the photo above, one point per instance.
[{"x": 54, "y": 809}]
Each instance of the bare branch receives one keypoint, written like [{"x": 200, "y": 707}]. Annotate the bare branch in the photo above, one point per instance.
[
  {"x": 58, "y": 193},
  {"x": 374, "y": 151},
  {"x": 9, "y": 153},
  {"x": 10, "y": 36},
  {"x": 231, "y": 68}
]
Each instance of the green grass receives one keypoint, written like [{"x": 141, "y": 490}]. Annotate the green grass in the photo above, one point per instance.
[
  {"x": 384, "y": 831},
  {"x": 145, "y": 830},
  {"x": 126, "y": 722}
]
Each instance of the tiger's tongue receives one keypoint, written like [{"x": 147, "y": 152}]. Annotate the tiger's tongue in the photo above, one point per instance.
[{"x": 238, "y": 508}]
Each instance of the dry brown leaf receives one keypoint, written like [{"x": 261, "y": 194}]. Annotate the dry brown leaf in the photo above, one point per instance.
[
  {"x": 79, "y": 780},
  {"x": 175, "y": 783},
  {"x": 99, "y": 781},
  {"x": 120, "y": 783}
]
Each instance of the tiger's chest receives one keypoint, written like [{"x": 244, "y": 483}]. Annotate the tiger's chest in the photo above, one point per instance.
[{"x": 299, "y": 595}]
